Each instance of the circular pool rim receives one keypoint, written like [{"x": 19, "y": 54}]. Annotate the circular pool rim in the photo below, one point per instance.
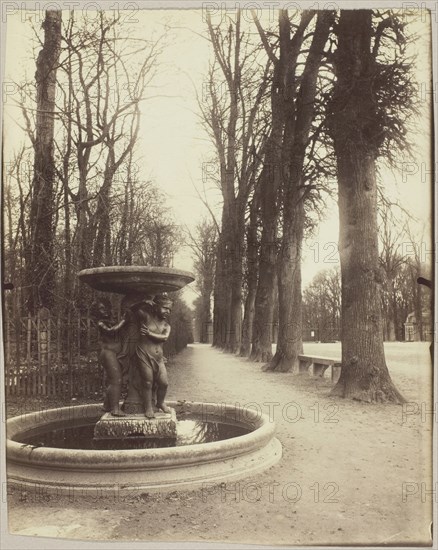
[{"x": 166, "y": 468}]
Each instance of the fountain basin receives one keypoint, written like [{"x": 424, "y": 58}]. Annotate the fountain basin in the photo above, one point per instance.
[
  {"x": 138, "y": 470},
  {"x": 135, "y": 279}
]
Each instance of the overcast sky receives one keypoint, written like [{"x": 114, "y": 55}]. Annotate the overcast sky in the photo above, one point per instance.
[{"x": 173, "y": 145}]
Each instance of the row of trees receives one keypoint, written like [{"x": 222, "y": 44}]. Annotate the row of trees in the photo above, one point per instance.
[
  {"x": 260, "y": 125},
  {"x": 203, "y": 244},
  {"x": 74, "y": 194},
  {"x": 292, "y": 108},
  {"x": 318, "y": 98},
  {"x": 401, "y": 296},
  {"x": 322, "y": 306},
  {"x": 401, "y": 262}
]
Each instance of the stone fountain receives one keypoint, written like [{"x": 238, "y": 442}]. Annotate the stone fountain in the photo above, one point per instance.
[
  {"x": 134, "y": 348},
  {"x": 159, "y": 455}
]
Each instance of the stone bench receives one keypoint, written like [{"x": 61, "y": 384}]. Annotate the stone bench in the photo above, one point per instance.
[{"x": 320, "y": 365}]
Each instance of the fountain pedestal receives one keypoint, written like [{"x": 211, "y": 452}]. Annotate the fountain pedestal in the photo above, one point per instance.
[{"x": 136, "y": 425}]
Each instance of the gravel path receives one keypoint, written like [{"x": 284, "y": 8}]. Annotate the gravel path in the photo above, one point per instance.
[{"x": 350, "y": 473}]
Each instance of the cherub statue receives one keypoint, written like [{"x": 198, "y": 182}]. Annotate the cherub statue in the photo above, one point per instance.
[
  {"x": 153, "y": 315},
  {"x": 109, "y": 334}
]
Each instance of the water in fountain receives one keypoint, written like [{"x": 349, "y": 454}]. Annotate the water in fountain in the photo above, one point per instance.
[{"x": 190, "y": 430}]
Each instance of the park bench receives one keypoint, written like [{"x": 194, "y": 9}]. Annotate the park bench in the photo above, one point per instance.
[{"x": 320, "y": 365}]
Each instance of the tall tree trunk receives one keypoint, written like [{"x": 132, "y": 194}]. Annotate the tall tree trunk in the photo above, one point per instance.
[
  {"x": 125, "y": 225},
  {"x": 261, "y": 350},
  {"x": 68, "y": 253},
  {"x": 41, "y": 268},
  {"x": 236, "y": 256},
  {"x": 234, "y": 231},
  {"x": 130, "y": 237},
  {"x": 235, "y": 130},
  {"x": 102, "y": 224},
  {"x": 392, "y": 326},
  {"x": 395, "y": 315},
  {"x": 82, "y": 241},
  {"x": 252, "y": 276},
  {"x": 82, "y": 253},
  {"x": 289, "y": 343},
  {"x": 299, "y": 114},
  {"x": 205, "y": 316},
  {"x": 9, "y": 260},
  {"x": 364, "y": 374},
  {"x": 207, "y": 292},
  {"x": 222, "y": 294},
  {"x": 65, "y": 177}
]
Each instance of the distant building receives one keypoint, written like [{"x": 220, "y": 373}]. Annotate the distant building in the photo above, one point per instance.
[{"x": 413, "y": 328}]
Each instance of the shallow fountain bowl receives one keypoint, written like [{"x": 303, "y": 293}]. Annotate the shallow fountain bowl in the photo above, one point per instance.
[
  {"x": 78, "y": 471},
  {"x": 136, "y": 279}
]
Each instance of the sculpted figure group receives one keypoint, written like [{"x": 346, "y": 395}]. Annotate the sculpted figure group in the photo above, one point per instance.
[{"x": 133, "y": 348}]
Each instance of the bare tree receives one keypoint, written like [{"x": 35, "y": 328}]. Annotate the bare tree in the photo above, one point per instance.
[
  {"x": 204, "y": 248},
  {"x": 103, "y": 88},
  {"x": 101, "y": 81},
  {"x": 296, "y": 89},
  {"x": 143, "y": 230},
  {"x": 40, "y": 267},
  {"x": 322, "y": 305},
  {"x": 235, "y": 119},
  {"x": 391, "y": 260},
  {"x": 369, "y": 88},
  {"x": 18, "y": 177},
  {"x": 251, "y": 272}
]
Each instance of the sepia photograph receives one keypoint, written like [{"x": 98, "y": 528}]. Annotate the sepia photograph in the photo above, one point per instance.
[{"x": 218, "y": 274}]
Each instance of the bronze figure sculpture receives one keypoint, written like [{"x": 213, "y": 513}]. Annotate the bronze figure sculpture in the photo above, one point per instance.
[
  {"x": 153, "y": 316},
  {"x": 108, "y": 357}
]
